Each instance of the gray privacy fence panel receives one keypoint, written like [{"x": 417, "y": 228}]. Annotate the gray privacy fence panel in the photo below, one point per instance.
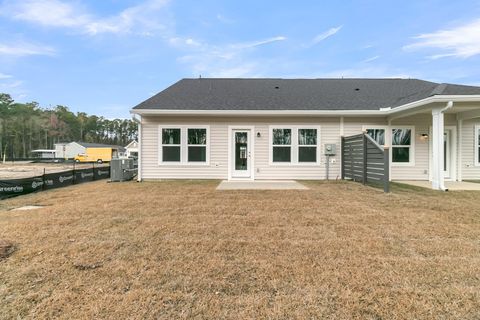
[
  {"x": 363, "y": 160},
  {"x": 16, "y": 187}
]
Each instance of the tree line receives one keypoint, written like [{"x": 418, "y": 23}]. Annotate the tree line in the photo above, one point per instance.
[{"x": 27, "y": 126}]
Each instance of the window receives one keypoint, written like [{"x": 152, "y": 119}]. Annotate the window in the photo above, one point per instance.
[
  {"x": 297, "y": 145},
  {"x": 171, "y": 145},
  {"x": 378, "y": 135},
  {"x": 401, "y": 143},
  {"x": 282, "y": 149},
  {"x": 184, "y": 145},
  {"x": 307, "y": 145},
  {"x": 197, "y": 145}
]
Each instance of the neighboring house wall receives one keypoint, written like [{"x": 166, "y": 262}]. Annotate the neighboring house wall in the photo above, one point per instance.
[
  {"x": 72, "y": 149},
  {"x": 132, "y": 148}
]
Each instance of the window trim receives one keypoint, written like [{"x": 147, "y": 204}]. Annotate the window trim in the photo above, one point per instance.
[
  {"x": 183, "y": 145},
  {"x": 387, "y": 131},
  {"x": 161, "y": 145},
  {"x": 411, "y": 159},
  {"x": 197, "y": 145},
  {"x": 294, "y": 146},
  {"x": 388, "y": 139}
]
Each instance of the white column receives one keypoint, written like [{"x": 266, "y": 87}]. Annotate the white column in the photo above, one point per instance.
[{"x": 437, "y": 149}]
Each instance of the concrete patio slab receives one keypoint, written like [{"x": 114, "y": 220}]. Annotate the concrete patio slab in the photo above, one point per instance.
[
  {"x": 450, "y": 185},
  {"x": 261, "y": 185}
]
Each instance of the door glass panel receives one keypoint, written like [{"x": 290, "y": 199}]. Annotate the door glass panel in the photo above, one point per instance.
[
  {"x": 445, "y": 146},
  {"x": 241, "y": 151}
]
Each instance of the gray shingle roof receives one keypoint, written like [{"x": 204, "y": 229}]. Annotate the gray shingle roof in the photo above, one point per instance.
[{"x": 297, "y": 94}]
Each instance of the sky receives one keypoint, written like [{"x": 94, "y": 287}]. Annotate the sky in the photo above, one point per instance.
[{"x": 104, "y": 57}]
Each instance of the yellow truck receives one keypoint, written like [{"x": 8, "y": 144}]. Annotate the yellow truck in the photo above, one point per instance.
[{"x": 95, "y": 155}]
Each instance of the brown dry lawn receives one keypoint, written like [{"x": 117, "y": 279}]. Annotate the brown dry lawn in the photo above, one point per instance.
[{"x": 181, "y": 249}]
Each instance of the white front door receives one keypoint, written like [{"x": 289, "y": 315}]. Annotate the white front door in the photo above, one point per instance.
[
  {"x": 449, "y": 153},
  {"x": 240, "y": 162}
]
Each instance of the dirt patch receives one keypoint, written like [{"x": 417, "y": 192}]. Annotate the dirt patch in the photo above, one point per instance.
[
  {"x": 29, "y": 207},
  {"x": 6, "y": 249}
]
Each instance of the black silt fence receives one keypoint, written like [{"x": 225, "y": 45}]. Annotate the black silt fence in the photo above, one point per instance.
[
  {"x": 58, "y": 180},
  {"x": 16, "y": 187}
]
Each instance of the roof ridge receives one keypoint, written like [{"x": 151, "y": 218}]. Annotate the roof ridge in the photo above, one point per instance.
[{"x": 339, "y": 78}]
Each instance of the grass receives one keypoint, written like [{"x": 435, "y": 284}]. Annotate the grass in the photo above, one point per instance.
[{"x": 181, "y": 249}]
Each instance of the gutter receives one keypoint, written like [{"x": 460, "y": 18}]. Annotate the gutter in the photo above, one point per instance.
[
  {"x": 377, "y": 113},
  {"x": 139, "y": 161}
]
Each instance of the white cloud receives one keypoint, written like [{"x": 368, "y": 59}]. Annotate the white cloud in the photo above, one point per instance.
[
  {"x": 460, "y": 42},
  {"x": 228, "y": 61},
  {"x": 25, "y": 49},
  {"x": 371, "y": 59},
  {"x": 140, "y": 19},
  {"x": 4, "y": 76},
  {"x": 368, "y": 72},
  {"x": 322, "y": 36},
  {"x": 259, "y": 43}
]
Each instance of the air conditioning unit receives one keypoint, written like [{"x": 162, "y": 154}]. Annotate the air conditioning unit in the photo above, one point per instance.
[{"x": 122, "y": 170}]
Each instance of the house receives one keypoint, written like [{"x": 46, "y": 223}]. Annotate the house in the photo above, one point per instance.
[
  {"x": 278, "y": 128},
  {"x": 72, "y": 149},
  {"x": 131, "y": 150}
]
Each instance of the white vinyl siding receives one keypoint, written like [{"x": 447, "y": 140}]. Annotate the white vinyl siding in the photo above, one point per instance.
[
  {"x": 329, "y": 132},
  {"x": 470, "y": 171},
  {"x": 218, "y": 164}
]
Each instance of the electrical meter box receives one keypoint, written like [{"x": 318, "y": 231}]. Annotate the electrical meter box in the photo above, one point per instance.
[{"x": 330, "y": 149}]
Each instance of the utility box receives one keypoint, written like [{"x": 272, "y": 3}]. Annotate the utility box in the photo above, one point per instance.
[
  {"x": 122, "y": 170},
  {"x": 330, "y": 149}
]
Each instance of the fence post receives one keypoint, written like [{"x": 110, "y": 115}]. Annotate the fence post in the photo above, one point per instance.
[
  {"x": 364, "y": 137},
  {"x": 43, "y": 179},
  {"x": 342, "y": 154},
  {"x": 73, "y": 172},
  {"x": 386, "y": 170}
]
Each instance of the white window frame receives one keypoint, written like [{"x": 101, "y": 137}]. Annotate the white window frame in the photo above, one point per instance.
[
  {"x": 294, "y": 146},
  {"x": 389, "y": 142},
  {"x": 183, "y": 145},
  {"x": 161, "y": 145},
  {"x": 207, "y": 160},
  {"x": 411, "y": 159},
  {"x": 477, "y": 128},
  {"x": 385, "y": 128}
]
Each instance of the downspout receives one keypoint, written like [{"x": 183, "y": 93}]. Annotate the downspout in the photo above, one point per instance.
[
  {"x": 440, "y": 169},
  {"x": 139, "y": 122}
]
